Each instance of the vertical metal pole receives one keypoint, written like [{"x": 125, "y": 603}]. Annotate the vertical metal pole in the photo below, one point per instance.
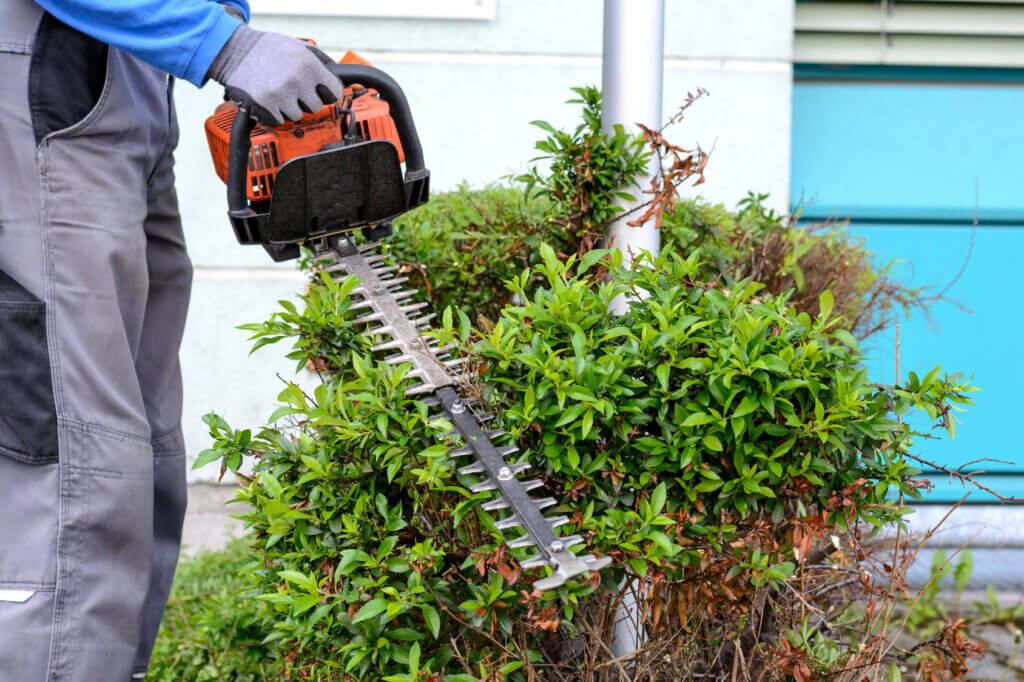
[{"x": 631, "y": 84}]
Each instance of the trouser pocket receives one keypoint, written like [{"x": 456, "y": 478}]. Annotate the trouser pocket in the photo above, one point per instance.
[
  {"x": 28, "y": 416},
  {"x": 67, "y": 77}
]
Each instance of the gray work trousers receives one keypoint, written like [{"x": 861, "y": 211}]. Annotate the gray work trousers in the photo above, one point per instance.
[{"x": 94, "y": 286}]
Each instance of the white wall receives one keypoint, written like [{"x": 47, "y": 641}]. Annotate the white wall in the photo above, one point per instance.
[{"x": 474, "y": 85}]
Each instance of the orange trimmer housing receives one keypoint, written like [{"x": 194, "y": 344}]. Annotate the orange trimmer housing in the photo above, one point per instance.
[{"x": 361, "y": 115}]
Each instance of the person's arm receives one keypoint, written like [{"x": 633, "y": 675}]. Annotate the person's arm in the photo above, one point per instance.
[
  {"x": 181, "y": 37},
  {"x": 275, "y": 76}
]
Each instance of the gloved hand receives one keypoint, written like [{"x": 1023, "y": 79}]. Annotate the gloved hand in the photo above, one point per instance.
[{"x": 277, "y": 76}]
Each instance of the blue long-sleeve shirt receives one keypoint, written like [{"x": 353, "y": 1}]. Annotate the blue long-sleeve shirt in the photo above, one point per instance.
[{"x": 180, "y": 37}]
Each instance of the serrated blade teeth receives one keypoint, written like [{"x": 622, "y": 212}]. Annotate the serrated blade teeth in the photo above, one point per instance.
[
  {"x": 508, "y": 450},
  {"x": 484, "y": 486},
  {"x": 373, "y": 258},
  {"x": 420, "y": 389},
  {"x": 557, "y": 521},
  {"x": 461, "y": 452},
  {"x": 596, "y": 564},
  {"x": 398, "y": 359},
  {"x": 496, "y": 433},
  {"x": 474, "y": 468},
  {"x": 394, "y": 281},
  {"x": 545, "y": 502},
  {"x": 385, "y": 269},
  {"x": 495, "y": 504},
  {"x": 532, "y": 485},
  {"x": 368, "y": 317},
  {"x": 521, "y": 541},
  {"x": 533, "y": 562},
  {"x": 386, "y": 330},
  {"x": 510, "y": 522},
  {"x": 413, "y": 307},
  {"x": 367, "y": 247},
  {"x": 403, "y": 294},
  {"x": 452, "y": 364},
  {"x": 335, "y": 268},
  {"x": 424, "y": 320},
  {"x": 387, "y": 345},
  {"x": 572, "y": 540},
  {"x": 431, "y": 402},
  {"x": 360, "y": 305},
  {"x": 519, "y": 468}
]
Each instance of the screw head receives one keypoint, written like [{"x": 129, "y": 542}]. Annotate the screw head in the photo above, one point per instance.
[
  {"x": 557, "y": 546},
  {"x": 458, "y": 407},
  {"x": 504, "y": 474}
]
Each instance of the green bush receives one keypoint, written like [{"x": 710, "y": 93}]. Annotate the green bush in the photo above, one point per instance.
[{"x": 709, "y": 440}]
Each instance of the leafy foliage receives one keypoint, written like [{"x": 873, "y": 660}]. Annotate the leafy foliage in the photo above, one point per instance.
[{"x": 711, "y": 440}]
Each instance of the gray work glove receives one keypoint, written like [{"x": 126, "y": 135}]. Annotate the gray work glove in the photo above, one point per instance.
[{"x": 277, "y": 76}]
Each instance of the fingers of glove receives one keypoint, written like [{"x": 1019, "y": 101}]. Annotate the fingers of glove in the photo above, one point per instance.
[
  {"x": 320, "y": 54},
  {"x": 268, "y": 117},
  {"x": 291, "y": 109},
  {"x": 325, "y": 94}
]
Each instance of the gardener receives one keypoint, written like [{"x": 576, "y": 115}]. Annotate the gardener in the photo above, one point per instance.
[{"x": 94, "y": 284}]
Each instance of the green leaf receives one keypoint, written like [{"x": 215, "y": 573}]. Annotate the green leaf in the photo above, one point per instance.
[
  {"x": 698, "y": 419},
  {"x": 825, "y": 302},
  {"x": 432, "y": 619},
  {"x": 205, "y": 457},
  {"x": 658, "y": 499},
  {"x": 370, "y": 609},
  {"x": 712, "y": 443}
]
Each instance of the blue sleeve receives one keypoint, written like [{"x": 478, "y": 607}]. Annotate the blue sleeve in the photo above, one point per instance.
[{"x": 181, "y": 37}]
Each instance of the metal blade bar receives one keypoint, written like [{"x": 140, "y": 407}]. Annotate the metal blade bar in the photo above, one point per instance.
[
  {"x": 389, "y": 310},
  {"x": 538, "y": 530}
]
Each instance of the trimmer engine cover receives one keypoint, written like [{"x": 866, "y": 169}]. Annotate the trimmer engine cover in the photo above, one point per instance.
[{"x": 335, "y": 170}]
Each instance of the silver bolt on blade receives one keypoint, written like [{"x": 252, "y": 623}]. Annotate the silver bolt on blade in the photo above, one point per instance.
[
  {"x": 557, "y": 546},
  {"x": 458, "y": 407},
  {"x": 504, "y": 474}
]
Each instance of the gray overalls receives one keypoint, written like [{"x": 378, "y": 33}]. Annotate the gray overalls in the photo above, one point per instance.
[{"x": 94, "y": 285}]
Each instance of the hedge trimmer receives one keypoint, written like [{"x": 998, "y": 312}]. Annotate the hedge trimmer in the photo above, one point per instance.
[{"x": 338, "y": 170}]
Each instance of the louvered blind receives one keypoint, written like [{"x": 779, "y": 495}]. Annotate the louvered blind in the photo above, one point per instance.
[{"x": 905, "y": 32}]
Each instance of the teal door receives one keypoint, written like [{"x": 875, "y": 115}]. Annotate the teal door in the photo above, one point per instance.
[{"x": 912, "y": 157}]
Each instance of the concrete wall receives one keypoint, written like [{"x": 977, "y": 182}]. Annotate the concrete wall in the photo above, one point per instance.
[{"x": 474, "y": 85}]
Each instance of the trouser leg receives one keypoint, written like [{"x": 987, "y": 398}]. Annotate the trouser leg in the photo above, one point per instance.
[
  {"x": 159, "y": 371},
  {"x": 72, "y": 238}
]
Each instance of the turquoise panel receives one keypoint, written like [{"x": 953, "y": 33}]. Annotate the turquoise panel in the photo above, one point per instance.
[
  {"x": 908, "y": 151},
  {"x": 912, "y": 164},
  {"x": 976, "y": 332}
]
